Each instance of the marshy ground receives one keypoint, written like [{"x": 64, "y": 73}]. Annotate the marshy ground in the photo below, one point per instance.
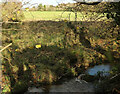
[{"x": 43, "y": 52}]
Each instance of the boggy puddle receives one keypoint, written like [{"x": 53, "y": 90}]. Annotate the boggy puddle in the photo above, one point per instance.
[{"x": 72, "y": 85}]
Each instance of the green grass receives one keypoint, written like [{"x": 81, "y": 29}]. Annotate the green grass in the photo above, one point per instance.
[
  {"x": 47, "y": 15},
  {"x": 56, "y": 15}
]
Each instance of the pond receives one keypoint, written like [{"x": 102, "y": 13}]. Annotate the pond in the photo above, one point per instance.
[
  {"x": 74, "y": 85},
  {"x": 105, "y": 68}
]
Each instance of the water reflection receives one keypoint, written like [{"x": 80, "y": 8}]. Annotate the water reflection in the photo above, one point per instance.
[{"x": 105, "y": 68}]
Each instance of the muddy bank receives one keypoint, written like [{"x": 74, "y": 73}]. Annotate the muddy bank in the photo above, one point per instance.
[
  {"x": 73, "y": 85},
  {"x": 79, "y": 84}
]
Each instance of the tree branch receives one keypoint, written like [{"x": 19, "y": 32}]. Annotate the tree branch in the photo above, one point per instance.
[
  {"x": 5, "y": 47},
  {"x": 88, "y": 3}
]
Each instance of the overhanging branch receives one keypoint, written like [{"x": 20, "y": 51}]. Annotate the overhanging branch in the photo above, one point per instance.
[{"x": 88, "y": 3}]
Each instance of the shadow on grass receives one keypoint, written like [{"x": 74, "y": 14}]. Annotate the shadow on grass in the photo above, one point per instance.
[{"x": 35, "y": 67}]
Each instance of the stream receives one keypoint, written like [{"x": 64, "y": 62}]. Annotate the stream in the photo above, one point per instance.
[{"x": 75, "y": 84}]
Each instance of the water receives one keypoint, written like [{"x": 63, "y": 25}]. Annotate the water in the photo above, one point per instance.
[
  {"x": 104, "y": 68},
  {"x": 73, "y": 85}
]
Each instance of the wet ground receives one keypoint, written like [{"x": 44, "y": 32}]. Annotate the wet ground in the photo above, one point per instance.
[{"x": 73, "y": 85}]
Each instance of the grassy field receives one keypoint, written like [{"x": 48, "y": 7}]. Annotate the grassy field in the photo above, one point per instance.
[{"x": 57, "y": 15}]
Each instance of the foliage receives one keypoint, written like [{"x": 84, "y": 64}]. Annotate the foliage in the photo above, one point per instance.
[
  {"x": 110, "y": 84},
  {"x": 40, "y": 7},
  {"x": 12, "y": 11},
  {"x": 114, "y": 12},
  {"x": 37, "y": 60}
]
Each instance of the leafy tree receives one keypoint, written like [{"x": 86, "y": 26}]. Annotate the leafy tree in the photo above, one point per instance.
[
  {"x": 44, "y": 7},
  {"x": 114, "y": 12},
  {"x": 40, "y": 6},
  {"x": 112, "y": 9}
]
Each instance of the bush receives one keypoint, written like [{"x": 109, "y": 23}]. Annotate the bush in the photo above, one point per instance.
[{"x": 12, "y": 11}]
